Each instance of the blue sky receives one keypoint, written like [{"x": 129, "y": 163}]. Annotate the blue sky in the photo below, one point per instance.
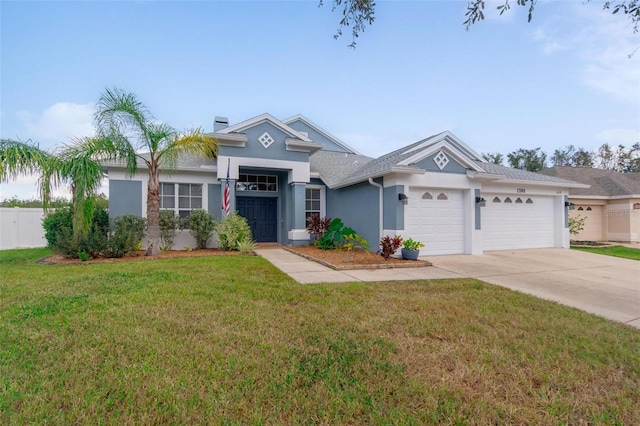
[{"x": 505, "y": 84}]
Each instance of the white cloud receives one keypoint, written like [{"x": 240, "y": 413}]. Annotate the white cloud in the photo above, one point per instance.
[
  {"x": 551, "y": 47},
  {"x": 601, "y": 42},
  {"x": 25, "y": 188},
  {"x": 59, "y": 122},
  {"x": 549, "y": 40},
  {"x": 626, "y": 137},
  {"x": 605, "y": 44}
]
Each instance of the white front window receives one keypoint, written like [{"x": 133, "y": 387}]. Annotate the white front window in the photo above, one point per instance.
[
  {"x": 180, "y": 197},
  {"x": 314, "y": 201}
]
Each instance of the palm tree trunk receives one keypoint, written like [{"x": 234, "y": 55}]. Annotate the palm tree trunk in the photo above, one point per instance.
[{"x": 153, "y": 212}]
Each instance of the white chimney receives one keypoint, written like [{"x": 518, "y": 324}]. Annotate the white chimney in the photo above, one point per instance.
[{"x": 220, "y": 123}]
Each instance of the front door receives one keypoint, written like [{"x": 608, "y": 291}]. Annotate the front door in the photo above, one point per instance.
[{"x": 262, "y": 215}]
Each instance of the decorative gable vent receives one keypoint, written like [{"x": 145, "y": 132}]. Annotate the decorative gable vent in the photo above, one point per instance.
[
  {"x": 266, "y": 140},
  {"x": 441, "y": 160}
]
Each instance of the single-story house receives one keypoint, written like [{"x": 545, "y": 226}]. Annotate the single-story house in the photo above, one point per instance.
[
  {"x": 611, "y": 203},
  {"x": 437, "y": 190}
]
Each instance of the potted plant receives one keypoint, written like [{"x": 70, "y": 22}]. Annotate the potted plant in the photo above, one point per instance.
[{"x": 411, "y": 249}]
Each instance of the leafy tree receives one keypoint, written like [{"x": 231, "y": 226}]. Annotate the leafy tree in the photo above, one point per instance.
[
  {"x": 54, "y": 203},
  {"x": 358, "y": 14},
  {"x": 532, "y": 160},
  {"x": 493, "y": 158},
  {"x": 475, "y": 10},
  {"x": 572, "y": 156},
  {"x": 79, "y": 169},
  {"x": 130, "y": 133},
  {"x": 632, "y": 162},
  {"x": 619, "y": 158}
]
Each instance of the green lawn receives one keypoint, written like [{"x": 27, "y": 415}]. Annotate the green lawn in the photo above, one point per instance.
[
  {"x": 617, "y": 251},
  {"x": 232, "y": 340}
]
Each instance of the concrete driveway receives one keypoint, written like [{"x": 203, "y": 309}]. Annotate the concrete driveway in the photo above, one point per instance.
[{"x": 602, "y": 285}]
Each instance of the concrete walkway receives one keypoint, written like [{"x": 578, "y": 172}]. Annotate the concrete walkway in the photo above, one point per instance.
[{"x": 602, "y": 285}]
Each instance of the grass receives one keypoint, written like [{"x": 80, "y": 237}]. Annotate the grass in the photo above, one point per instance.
[
  {"x": 232, "y": 340},
  {"x": 616, "y": 251}
]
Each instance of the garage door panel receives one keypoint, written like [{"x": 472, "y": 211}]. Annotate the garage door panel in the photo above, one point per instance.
[
  {"x": 517, "y": 225},
  {"x": 438, "y": 223}
]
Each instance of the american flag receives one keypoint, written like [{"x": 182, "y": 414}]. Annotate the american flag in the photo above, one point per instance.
[{"x": 226, "y": 197}]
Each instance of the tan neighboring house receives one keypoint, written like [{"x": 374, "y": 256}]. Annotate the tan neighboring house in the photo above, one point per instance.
[{"x": 611, "y": 205}]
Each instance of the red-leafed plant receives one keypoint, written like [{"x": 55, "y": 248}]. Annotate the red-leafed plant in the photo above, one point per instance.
[
  {"x": 389, "y": 245},
  {"x": 317, "y": 225}
]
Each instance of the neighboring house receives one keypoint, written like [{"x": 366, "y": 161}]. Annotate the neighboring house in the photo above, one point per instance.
[
  {"x": 611, "y": 205},
  {"x": 434, "y": 190}
]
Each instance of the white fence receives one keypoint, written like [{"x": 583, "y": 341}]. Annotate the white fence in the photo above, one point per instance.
[{"x": 21, "y": 228}]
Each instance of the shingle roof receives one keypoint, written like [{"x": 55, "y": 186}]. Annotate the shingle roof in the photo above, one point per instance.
[
  {"x": 605, "y": 183},
  {"x": 385, "y": 163},
  {"x": 518, "y": 174},
  {"x": 336, "y": 167},
  {"x": 339, "y": 169}
]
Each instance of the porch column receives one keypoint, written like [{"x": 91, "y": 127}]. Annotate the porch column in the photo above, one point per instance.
[{"x": 298, "y": 235}]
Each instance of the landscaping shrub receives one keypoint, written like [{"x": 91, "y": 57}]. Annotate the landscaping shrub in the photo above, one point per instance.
[
  {"x": 169, "y": 223},
  {"x": 201, "y": 225},
  {"x": 231, "y": 230},
  {"x": 389, "y": 245},
  {"x": 128, "y": 232},
  {"x": 576, "y": 224},
  {"x": 335, "y": 235},
  {"x": 58, "y": 228},
  {"x": 317, "y": 226},
  {"x": 246, "y": 246},
  {"x": 55, "y": 223}
]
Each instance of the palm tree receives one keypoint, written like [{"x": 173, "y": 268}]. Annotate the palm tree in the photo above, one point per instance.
[
  {"x": 73, "y": 165},
  {"x": 129, "y": 133}
]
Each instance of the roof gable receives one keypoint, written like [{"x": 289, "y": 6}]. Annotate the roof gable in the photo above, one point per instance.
[
  {"x": 302, "y": 124},
  {"x": 264, "y": 118}
]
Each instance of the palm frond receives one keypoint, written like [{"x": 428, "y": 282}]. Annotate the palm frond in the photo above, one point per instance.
[
  {"x": 193, "y": 143},
  {"x": 119, "y": 112},
  {"x": 160, "y": 137},
  {"x": 20, "y": 159}
]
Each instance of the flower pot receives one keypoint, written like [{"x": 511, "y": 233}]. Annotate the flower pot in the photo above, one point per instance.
[{"x": 410, "y": 254}]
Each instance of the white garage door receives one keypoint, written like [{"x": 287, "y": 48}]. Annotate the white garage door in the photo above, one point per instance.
[
  {"x": 517, "y": 222},
  {"x": 436, "y": 218},
  {"x": 593, "y": 222}
]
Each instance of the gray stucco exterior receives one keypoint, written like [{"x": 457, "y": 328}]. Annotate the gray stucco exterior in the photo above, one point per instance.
[
  {"x": 452, "y": 166},
  {"x": 254, "y": 149},
  {"x": 393, "y": 210},
  {"x": 125, "y": 197},
  {"x": 358, "y": 207},
  {"x": 327, "y": 144},
  {"x": 214, "y": 206}
]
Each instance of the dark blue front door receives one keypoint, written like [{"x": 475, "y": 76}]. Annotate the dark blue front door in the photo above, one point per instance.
[{"x": 262, "y": 215}]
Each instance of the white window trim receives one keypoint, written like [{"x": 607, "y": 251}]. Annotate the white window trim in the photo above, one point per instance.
[
  {"x": 323, "y": 198},
  {"x": 176, "y": 209}
]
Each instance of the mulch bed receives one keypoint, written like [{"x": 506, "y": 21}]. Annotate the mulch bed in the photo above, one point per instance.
[
  {"x": 344, "y": 260},
  {"x": 57, "y": 259}
]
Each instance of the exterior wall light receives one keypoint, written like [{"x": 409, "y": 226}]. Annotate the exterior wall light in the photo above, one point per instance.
[
  {"x": 569, "y": 205},
  {"x": 403, "y": 198},
  {"x": 481, "y": 202},
  {"x": 636, "y": 206}
]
